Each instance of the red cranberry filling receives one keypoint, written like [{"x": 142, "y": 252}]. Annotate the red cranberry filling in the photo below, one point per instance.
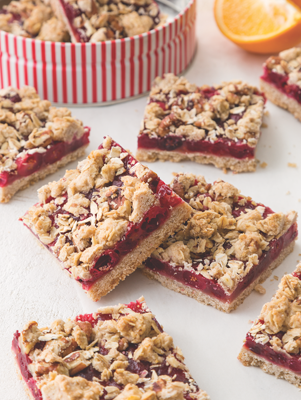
[
  {"x": 210, "y": 286},
  {"x": 281, "y": 82},
  {"x": 31, "y": 163},
  {"x": 14, "y": 18},
  {"x": 221, "y": 147},
  {"x": 13, "y": 97},
  {"x": 23, "y": 361},
  {"x": 289, "y": 361}
]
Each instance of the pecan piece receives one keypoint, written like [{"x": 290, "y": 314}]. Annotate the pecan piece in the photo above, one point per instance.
[
  {"x": 116, "y": 200},
  {"x": 166, "y": 122},
  {"x": 87, "y": 328},
  {"x": 76, "y": 362}
]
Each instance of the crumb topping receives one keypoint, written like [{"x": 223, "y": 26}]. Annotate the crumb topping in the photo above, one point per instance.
[
  {"x": 32, "y": 18},
  {"x": 117, "y": 353},
  {"x": 30, "y": 125},
  {"x": 288, "y": 64},
  {"x": 227, "y": 234},
  {"x": 231, "y": 110},
  {"x": 101, "y": 20},
  {"x": 279, "y": 324},
  {"x": 92, "y": 208},
  {"x": 54, "y": 30}
]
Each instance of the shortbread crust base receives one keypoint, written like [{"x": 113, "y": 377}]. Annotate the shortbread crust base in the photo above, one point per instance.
[
  {"x": 281, "y": 99},
  {"x": 7, "y": 192},
  {"x": 135, "y": 258},
  {"x": 248, "y": 358},
  {"x": 234, "y": 164},
  {"x": 212, "y": 301}
]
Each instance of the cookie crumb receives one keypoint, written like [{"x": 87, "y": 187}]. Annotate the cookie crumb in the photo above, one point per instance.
[
  {"x": 263, "y": 164},
  {"x": 288, "y": 192},
  {"x": 266, "y": 113},
  {"x": 264, "y": 125},
  {"x": 292, "y": 165},
  {"x": 250, "y": 321},
  {"x": 225, "y": 171},
  {"x": 276, "y": 277},
  {"x": 260, "y": 289}
]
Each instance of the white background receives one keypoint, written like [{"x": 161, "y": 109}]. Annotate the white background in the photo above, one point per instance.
[{"x": 34, "y": 288}]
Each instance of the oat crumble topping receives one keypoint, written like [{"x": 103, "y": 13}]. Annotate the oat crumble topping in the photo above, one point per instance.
[
  {"x": 100, "y": 20},
  {"x": 279, "y": 324},
  {"x": 29, "y": 125},
  {"x": 91, "y": 208},
  {"x": 227, "y": 234},
  {"x": 119, "y": 352},
  {"x": 231, "y": 110},
  {"x": 288, "y": 63},
  {"x": 33, "y": 19}
]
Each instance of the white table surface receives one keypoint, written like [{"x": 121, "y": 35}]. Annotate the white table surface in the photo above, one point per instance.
[{"x": 34, "y": 288}]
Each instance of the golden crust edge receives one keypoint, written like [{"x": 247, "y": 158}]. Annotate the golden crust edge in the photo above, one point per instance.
[
  {"x": 236, "y": 165},
  {"x": 280, "y": 99},
  {"x": 248, "y": 358}
]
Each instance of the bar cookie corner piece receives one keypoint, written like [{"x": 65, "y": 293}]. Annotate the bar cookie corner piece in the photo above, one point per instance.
[
  {"x": 119, "y": 352},
  {"x": 102, "y": 220},
  {"x": 35, "y": 139},
  {"x": 229, "y": 245},
  {"x": 210, "y": 125},
  {"x": 281, "y": 80},
  {"x": 274, "y": 341}
]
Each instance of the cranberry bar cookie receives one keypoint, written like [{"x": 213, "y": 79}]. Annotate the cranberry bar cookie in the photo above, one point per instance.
[
  {"x": 102, "y": 220},
  {"x": 119, "y": 352},
  {"x": 35, "y": 139},
  {"x": 33, "y": 19},
  {"x": 281, "y": 80},
  {"x": 230, "y": 244},
  {"x": 210, "y": 125},
  {"x": 274, "y": 341},
  {"x": 100, "y": 20}
]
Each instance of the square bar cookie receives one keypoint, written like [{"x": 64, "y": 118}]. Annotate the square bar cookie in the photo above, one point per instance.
[
  {"x": 274, "y": 341},
  {"x": 119, "y": 353},
  {"x": 210, "y": 125},
  {"x": 100, "y": 20},
  {"x": 32, "y": 19},
  {"x": 230, "y": 244},
  {"x": 281, "y": 80},
  {"x": 35, "y": 139},
  {"x": 102, "y": 220}
]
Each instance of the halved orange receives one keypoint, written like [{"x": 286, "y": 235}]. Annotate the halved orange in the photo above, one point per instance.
[
  {"x": 297, "y": 2},
  {"x": 260, "y": 26}
]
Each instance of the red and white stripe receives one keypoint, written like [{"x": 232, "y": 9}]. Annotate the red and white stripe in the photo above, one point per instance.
[{"x": 98, "y": 73}]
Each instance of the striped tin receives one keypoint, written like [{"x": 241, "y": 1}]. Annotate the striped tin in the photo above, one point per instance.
[{"x": 98, "y": 73}]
